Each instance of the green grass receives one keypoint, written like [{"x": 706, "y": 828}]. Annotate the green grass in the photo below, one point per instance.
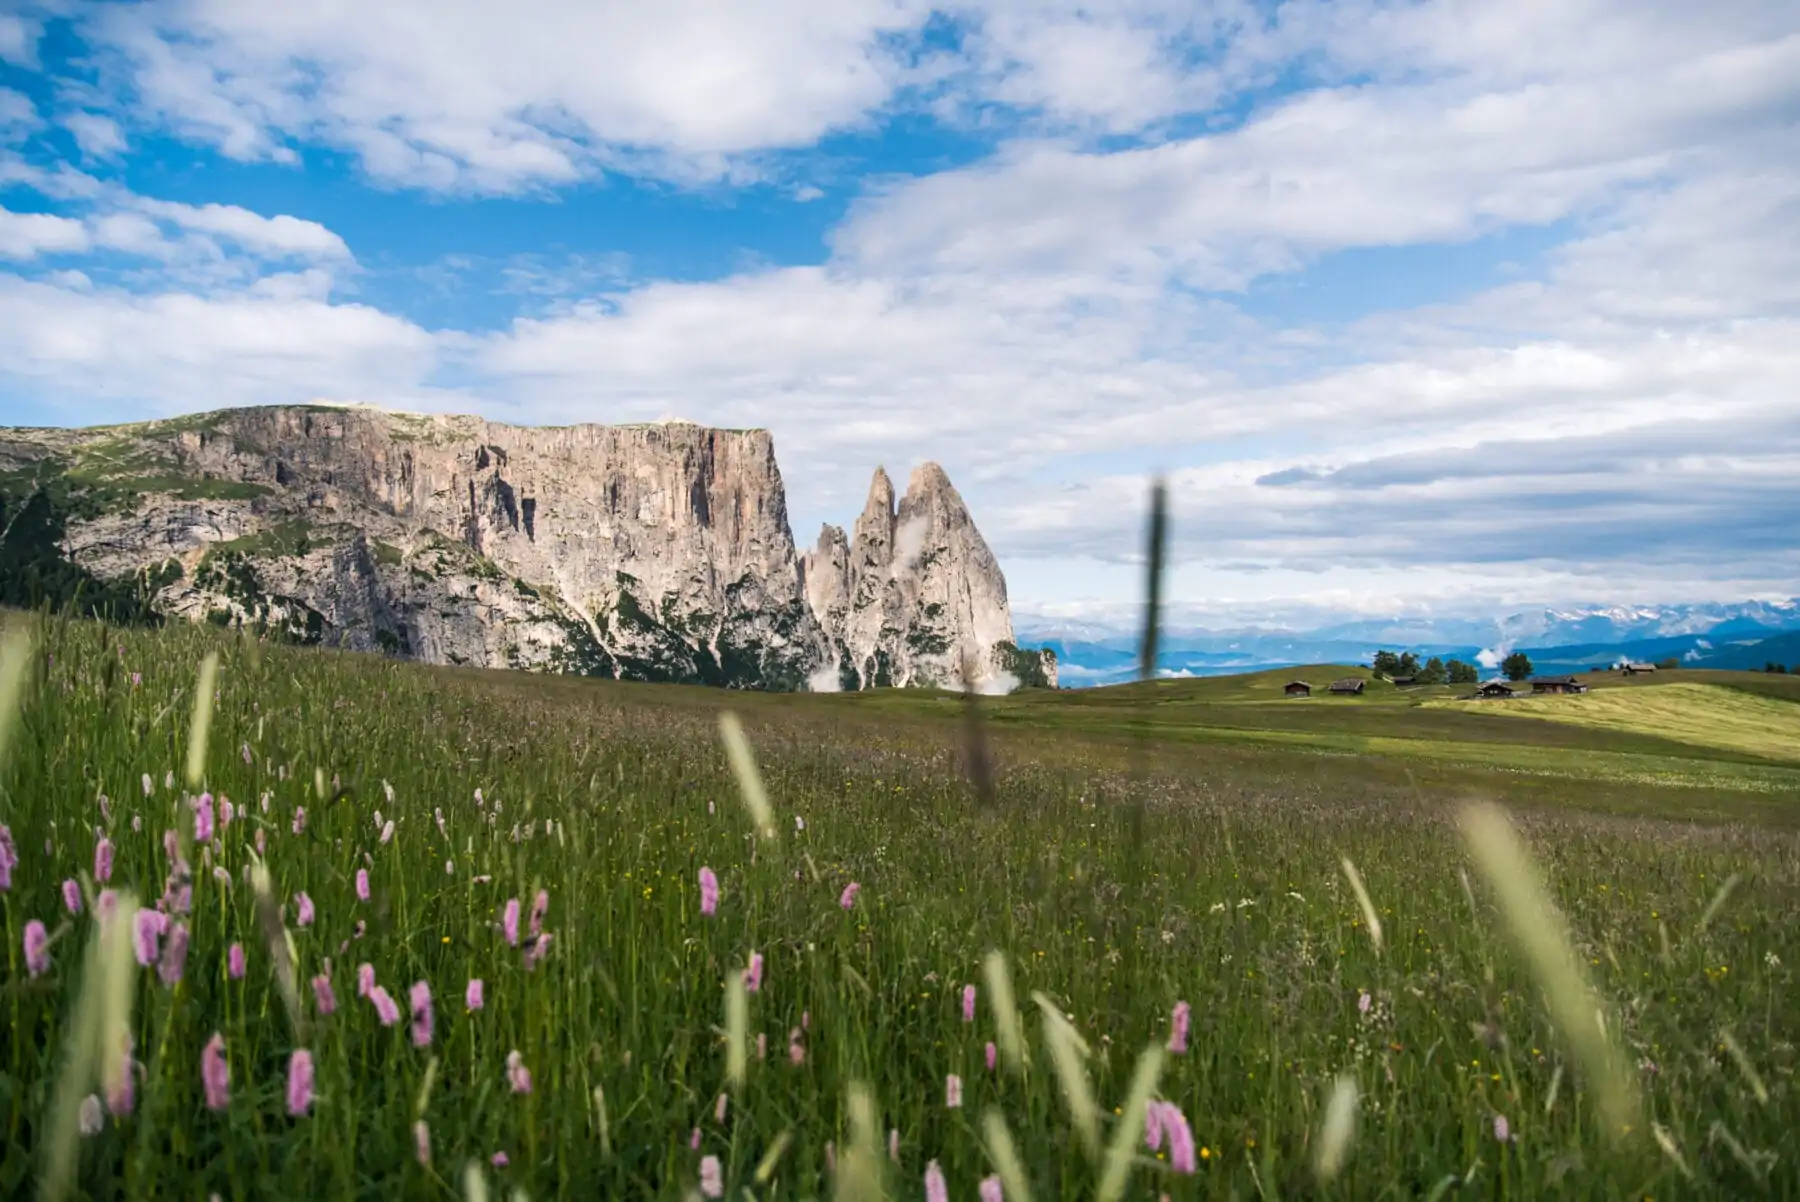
[{"x": 1235, "y": 903}]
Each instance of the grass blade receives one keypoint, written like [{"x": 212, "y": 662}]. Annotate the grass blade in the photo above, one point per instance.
[
  {"x": 743, "y": 766},
  {"x": 1067, "y": 1051},
  {"x": 1005, "y": 1157},
  {"x": 1370, "y": 918},
  {"x": 1117, "y": 1170},
  {"x": 1009, "y": 1036},
  {"x": 15, "y": 654},
  {"x": 200, "y": 729},
  {"x": 859, "y": 1169},
  {"x": 1338, "y": 1129},
  {"x": 737, "y": 1029},
  {"x": 1542, "y": 934},
  {"x": 1744, "y": 1066}
]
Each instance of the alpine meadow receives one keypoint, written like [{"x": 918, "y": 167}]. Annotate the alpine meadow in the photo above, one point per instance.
[{"x": 286, "y": 922}]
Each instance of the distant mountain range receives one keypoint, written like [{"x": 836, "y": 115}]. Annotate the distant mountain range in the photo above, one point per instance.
[{"x": 1721, "y": 635}]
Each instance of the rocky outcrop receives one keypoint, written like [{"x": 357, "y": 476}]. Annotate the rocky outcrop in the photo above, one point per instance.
[
  {"x": 915, "y": 596},
  {"x": 657, "y": 551}
]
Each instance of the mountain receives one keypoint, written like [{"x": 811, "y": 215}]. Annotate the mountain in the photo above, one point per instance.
[
  {"x": 1557, "y": 640},
  {"x": 644, "y": 552}
]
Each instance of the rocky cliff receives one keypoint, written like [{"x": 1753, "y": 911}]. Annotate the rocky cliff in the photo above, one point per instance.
[{"x": 654, "y": 552}]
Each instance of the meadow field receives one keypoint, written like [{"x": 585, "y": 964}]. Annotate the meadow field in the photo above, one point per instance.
[{"x": 421, "y": 933}]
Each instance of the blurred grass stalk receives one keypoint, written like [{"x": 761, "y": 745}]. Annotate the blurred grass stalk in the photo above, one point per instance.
[{"x": 1542, "y": 934}]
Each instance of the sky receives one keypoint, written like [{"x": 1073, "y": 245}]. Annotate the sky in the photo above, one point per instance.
[{"x": 1422, "y": 306}]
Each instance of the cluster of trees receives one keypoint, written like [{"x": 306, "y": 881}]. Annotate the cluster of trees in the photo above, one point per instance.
[
  {"x": 1772, "y": 666},
  {"x": 1432, "y": 671}
]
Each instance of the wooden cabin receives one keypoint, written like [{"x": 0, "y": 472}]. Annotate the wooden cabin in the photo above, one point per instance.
[
  {"x": 1495, "y": 688},
  {"x": 1351, "y": 686},
  {"x": 1557, "y": 684},
  {"x": 1297, "y": 688}
]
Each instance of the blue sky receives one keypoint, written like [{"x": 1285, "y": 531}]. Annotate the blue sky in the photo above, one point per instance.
[{"x": 1507, "y": 295}]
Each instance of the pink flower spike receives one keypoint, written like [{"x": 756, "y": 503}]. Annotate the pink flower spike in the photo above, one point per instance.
[
  {"x": 421, "y": 1012},
  {"x": 300, "y": 1082},
  {"x": 753, "y": 977},
  {"x": 990, "y": 1057},
  {"x": 472, "y": 995},
  {"x": 9, "y": 857},
  {"x": 1181, "y": 1140},
  {"x": 540, "y": 947},
  {"x": 103, "y": 860},
  {"x": 323, "y": 997},
  {"x": 762, "y": 1045},
  {"x": 365, "y": 979},
  {"x": 517, "y": 1075},
  {"x": 234, "y": 961},
  {"x": 422, "y": 1142},
  {"x": 215, "y": 1074},
  {"x": 720, "y": 1107},
  {"x": 694, "y": 1140},
  {"x": 1178, "y": 1029},
  {"x": 386, "y": 1008},
  {"x": 203, "y": 818},
  {"x": 935, "y": 1188},
  {"x": 387, "y": 832},
  {"x": 499, "y": 1160},
  {"x": 362, "y": 884},
  {"x": 146, "y": 935},
  {"x": 71, "y": 896},
  {"x": 990, "y": 1190},
  {"x": 174, "y": 955},
  {"x": 226, "y": 812},
  {"x": 709, "y": 892},
  {"x": 1502, "y": 1129},
  {"x": 540, "y": 906},
  {"x": 303, "y": 910},
  {"x": 37, "y": 948},
  {"x": 299, "y": 819},
  {"x": 712, "y": 1180},
  {"x": 1153, "y": 1126},
  {"x": 894, "y": 1144},
  {"x": 953, "y": 1092},
  {"x": 509, "y": 922},
  {"x": 968, "y": 1001},
  {"x": 848, "y": 897}
]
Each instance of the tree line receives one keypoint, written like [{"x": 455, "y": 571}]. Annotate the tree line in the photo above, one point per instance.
[{"x": 1432, "y": 671}]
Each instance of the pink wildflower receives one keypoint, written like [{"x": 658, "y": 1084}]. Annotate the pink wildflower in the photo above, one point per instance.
[
  {"x": 753, "y": 977},
  {"x": 203, "y": 818},
  {"x": 422, "y": 1142},
  {"x": 848, "y": 897},
  {"x": 540, "y": 947},
  {"x": 990, "y": 1190},
  {"x": 806, "y": 1020},
  {"x": 362, "y": 884},
  {"x": 90, "y": 1119},
  {"x": 968, "y": 1003},
  {"x": 149, "y": 787},
  {"x": 262, "y": 841},
  {"x": 323, "y": 997},
  {"x": 712, "y": 1181},
  {"x": 300, "y": 1082},
  {"x": 1363, "y": 1002},
  {"x": 103, "y": 860},
  {"x": 226, "y": 812},
  {"x": 421, "y": 1013},
  {"x": 9, "y": 857},
  {"x": 147, "y": 933},
  {"x": 215, "y": 1074},
  {"x": 517, "y": 1075},
  {"x": 174, "y": 955},
  {"x": 935, "y": 1188},
  {"x": 720, "y": 1107},
  {"x": 762, "y": 1045},
  {"x": 694, "y": 1140},
  {"x": 472, "y": 995},
  {"x": 894, "y": 1144},
  {"x": 990, "y": 1056},
  {"x": 540, "y": 906},
  {"x": 37, "y": 948},
  {"x": 509, "y": 922},
  {"x": 303, "y": 910},
  {"x": 299, "y": 819},
  {"x": 387, "y": 832},
  {"x": 796, "y": 1049},
  {"x": 71, "y": 896},
  {"x": 244, "y": 751},
  {"x": 499, "y": 1160},
  {"x": 953, "y": 1092},
  {"x": 365, "y": 979},
  {"x": 386, "y": 1008},
  {"x": 106, "y": 905},
  {"x": 234, "y": 961},
  {"x": 709, "y": 892},
  {"x": 172, "y": 846},
  {"x": 121, "y": 1094},
  {"x": 1178, "y": 1029},
  {"x": 1502, "y": 1129}
]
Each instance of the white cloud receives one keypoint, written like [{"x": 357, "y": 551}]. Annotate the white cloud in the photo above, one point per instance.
[
  {"x": 18, "y": 39},
  {"x": 279, "y": 236},
  {"x": 96, "y": 135},
  {"x": 476, "y": 96},
  {"x": 18, "y": 116},
  {"x": 28, "y": 235}
]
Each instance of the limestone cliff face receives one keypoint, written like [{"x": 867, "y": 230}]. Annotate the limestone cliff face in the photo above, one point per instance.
[
  {"x": 648, "y": 552},
  {"x": 915, "y": 594}
]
